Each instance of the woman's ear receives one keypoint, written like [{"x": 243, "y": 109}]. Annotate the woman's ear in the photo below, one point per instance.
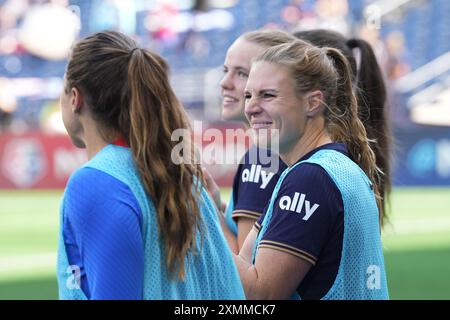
[
  {"x": 314, "y": 102},
  {"x": 76, "y": 100}
]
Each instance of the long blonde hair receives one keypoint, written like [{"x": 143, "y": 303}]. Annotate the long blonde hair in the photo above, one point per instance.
[
  {"x": 326, "y": 69},
  {"x": 370, "y": 90},
  {"x": 268, "y": 37}
]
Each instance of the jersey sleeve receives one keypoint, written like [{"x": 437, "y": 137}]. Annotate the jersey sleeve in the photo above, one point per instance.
[
  {"x": 104, "y": 221},
  {"x": 243, "y": 197},
  {"x": 304, "y": 213},
  {"x": 253, "y": 187}
]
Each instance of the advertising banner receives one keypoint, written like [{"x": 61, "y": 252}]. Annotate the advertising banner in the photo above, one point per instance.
[
  {"x": 422, "y": 157},
  {"x": 39, "y": 161}
]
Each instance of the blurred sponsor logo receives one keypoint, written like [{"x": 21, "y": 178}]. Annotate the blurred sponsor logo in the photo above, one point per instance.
[
  {"x": 24, "y": 162},
  {"x": 430, "y": 156}
]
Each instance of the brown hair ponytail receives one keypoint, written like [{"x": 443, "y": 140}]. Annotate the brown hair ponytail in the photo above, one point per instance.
[
  {"x": 370, "y": 89},
  {"x": 372, "y": 97},
  {"x": 344, "y": 123},
  {"x": 154, "y": 114},
  {"x": 128, "y": 92}
]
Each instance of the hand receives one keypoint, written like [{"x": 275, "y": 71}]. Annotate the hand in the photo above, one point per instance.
[{"x": 212, "y": 188}]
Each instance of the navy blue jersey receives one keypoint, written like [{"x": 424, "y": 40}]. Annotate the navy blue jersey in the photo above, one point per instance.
[
  {"x": 308, "y": 222},
  {"x": 254, "y": 182}
]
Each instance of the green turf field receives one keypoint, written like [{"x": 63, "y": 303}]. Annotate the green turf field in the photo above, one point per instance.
[{"x": 416, "y": 242}]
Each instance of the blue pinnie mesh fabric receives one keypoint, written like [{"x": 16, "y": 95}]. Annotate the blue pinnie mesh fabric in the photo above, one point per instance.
[
  {"x": 210, "y": 271},
  {"x": 231, "y": 224},
  {"x": 361, "y": 274}
]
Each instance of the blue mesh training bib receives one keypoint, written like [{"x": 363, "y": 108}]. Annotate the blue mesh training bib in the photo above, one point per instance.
[
  {"x": 228, "y": 215},
  {"x": 210, "y": 273},
  {"x": 361, "y": 274}
]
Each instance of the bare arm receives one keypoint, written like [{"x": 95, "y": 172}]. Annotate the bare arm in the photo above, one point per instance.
[
  {"x": 244, "y": 226},
  {"x": 275, "y": 274},
  {"x": 214, "y": 191},
  {"x": 229, "y": 236}
]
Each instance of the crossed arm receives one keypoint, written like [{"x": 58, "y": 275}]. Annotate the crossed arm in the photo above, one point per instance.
[
  {"x": 275, "y": 274},
  {"x": 244, "y": 225}
]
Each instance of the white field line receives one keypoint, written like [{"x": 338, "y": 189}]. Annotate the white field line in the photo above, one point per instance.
[
  {"x": 418, "y": 226},
  {"x": 27, "y": 262}
]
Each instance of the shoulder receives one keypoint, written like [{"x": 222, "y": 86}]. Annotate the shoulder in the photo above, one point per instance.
[
  {"x": 311, "y": 182},
  {"x": 306, "y": 174},
  {"x": 314, "y": 169},
  {"x": 89, "y": 188},
  {"x": 263, "y": 157},
  {"x": 91, "y": 183},
  {"x": 307, "y": 208}
]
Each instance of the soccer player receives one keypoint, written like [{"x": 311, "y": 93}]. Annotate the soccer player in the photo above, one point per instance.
[
  {"x": 259, "y": 169},
  {"x": 320, "y": 235},
  {"x": 370, "y": 91},
  {"x": 134, "y": 224}
]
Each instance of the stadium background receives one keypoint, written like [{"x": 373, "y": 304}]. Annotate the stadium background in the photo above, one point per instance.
[{"x": 412, "y": 42}]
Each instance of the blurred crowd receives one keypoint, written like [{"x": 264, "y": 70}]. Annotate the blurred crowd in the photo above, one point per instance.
[{"x": 36, "y": 36}]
